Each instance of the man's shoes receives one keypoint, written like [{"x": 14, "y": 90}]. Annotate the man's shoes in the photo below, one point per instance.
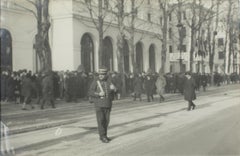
[
  {"x": 108, "y": 139},
  {"x": 194, "y": 107},
  {"x": 104, "y": 139}
]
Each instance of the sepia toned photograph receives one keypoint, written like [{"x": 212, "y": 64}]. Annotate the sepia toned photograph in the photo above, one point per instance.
[{"x": 120, "y": 77}]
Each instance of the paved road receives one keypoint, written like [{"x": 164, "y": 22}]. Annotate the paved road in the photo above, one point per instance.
[
  {"x": 17, "y": 119},
  {"x": 218, "y": 134},
  {"x": 154, "y": 129}
]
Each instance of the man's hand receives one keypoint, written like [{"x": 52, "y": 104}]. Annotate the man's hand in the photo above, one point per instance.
[{"x": 101, "y": 94}]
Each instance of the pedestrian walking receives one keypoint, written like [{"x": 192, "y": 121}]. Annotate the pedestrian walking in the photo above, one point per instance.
[
  {"x": 137, "y": 87},
  {"x": 148, "y": 86},
  {"x": 26, "y": 91},
  {"x": 47, "y": 90},
  {"x": 189, "y": 90},
  {"x": 160, "y": 84},
  {"x": 101, "y": 92},
  {"x": 204, "y": 81}
]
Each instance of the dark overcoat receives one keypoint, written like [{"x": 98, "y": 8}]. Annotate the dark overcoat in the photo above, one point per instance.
[
  {"x": 27, "y": 87},
  {"x": 189, "y": 89},
  {"x": 47, "y": 87},
  {"x": 138, "y": 85},
  {"x": 94, "y": 90},
  {"x": 149, "y": 85}
]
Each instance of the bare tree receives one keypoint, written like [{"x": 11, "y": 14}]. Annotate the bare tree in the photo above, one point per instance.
[
  {"x": 135, "y": 4},
  {"x": 98, "y": 16},
  {"x": 42, "y": 46},
  {"x": 199, "y": 15},
  {"x": 120, "y": 41},
  {"x": 210, "y": 41},
  {"x": 166, "y": 11}
]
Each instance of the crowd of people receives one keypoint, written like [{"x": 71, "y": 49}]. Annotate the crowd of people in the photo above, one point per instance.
[{"x": 22, "y": 86}]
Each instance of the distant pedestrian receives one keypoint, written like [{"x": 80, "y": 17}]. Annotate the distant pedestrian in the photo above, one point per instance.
[
  {"x": 160, "y": 84},
  {"x": 204, "y": 81},
  {"x": 189, "y": 90},
  {"x": 27, "y": 90},
  {"x": 137, "y": 87},
  {"x": 102, "y": 94},
  {"x": 47, "y": 90},
  {"x": 148, "y": 86}
]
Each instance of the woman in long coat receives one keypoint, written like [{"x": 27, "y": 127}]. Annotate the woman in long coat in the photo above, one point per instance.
[
  {"x": 189, "y": 90},
  {"x": 160, "y": 85}
]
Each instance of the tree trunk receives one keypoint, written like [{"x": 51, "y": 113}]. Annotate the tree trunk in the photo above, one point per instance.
[
  {"x": 100, "y": 48},
  {"x": 120, "y": 43},
  {"x": 192, "y": 48},
  {"x": 45, "y": 28},
  {"x": 100, "y": 31},
  {"x": 132, "y": 39},
  {"x": 42, "y": 46},
  {"x": 164, "y": 41}
]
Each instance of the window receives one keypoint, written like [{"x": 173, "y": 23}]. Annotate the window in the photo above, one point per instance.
[
  {"x": 136, "y": 12},
  {"x": 184, "y": 15},
  {"x": 184, "y": 32},
  {"x": 220, "y": 42},
  {"x": 161, "y": 21},
  {"x": 221, "y": 55},
  {"x": 170, "y": 49},
  {"x": 184, "y": 48},
  {"x": 184, "y": 67},
  {"x": 170, "y": 33},
  {"x": 170, "y": 17},
  {"x": 106, "y": 4},
  {"x": 149, "y": 17}
]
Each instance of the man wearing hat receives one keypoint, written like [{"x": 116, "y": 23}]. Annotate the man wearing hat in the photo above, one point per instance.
[
  {"x": 189, "y": 90},
  {"x": 101, "y": 92}
]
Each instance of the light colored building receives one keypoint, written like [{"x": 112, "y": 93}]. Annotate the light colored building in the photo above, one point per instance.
[
  {"x": 200, "y": 63},
  {"x": 74, "y": 39}
]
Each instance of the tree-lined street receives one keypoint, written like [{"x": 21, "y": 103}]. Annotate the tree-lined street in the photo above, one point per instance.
[{"x": 138, "y": 128}]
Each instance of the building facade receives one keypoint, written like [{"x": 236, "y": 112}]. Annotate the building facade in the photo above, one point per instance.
[{"x": 74, "y": 38}]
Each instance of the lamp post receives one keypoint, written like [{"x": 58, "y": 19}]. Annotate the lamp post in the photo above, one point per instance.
[{"x": 180, "y": 31}]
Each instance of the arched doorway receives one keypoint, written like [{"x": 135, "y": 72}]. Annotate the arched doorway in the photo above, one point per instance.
[
  {"x": 126, "y": 56},
  {"x": 107, "y": 56},
  {"x": 139, "y": 56},
  {"x": 6, "y": 49},
  {"x": 87, "y": 53},
  {"x": 152, "y": 57}
]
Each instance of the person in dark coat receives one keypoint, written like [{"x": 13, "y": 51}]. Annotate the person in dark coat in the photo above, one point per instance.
[
  {"x": 10, "y": 88},
  {"x": 4, "y": 78},
  {"x": 17, "y": 88},
  {"x": 27, "y": 90},
  {"x": 47, "y": 90},
  {"x": 189, "y": 90},
  {"x": 137, "y": 87},
  {"x": 102, "y": 94},
  {"x": 149, "y": 84},
  {"x": 204, "y": 81}
]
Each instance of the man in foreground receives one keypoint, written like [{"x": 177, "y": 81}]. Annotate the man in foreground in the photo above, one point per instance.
[{"x": 101, "y": 92}]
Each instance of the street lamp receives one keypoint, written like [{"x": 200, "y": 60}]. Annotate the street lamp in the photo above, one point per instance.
[{"x": 180, "y": 31}]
